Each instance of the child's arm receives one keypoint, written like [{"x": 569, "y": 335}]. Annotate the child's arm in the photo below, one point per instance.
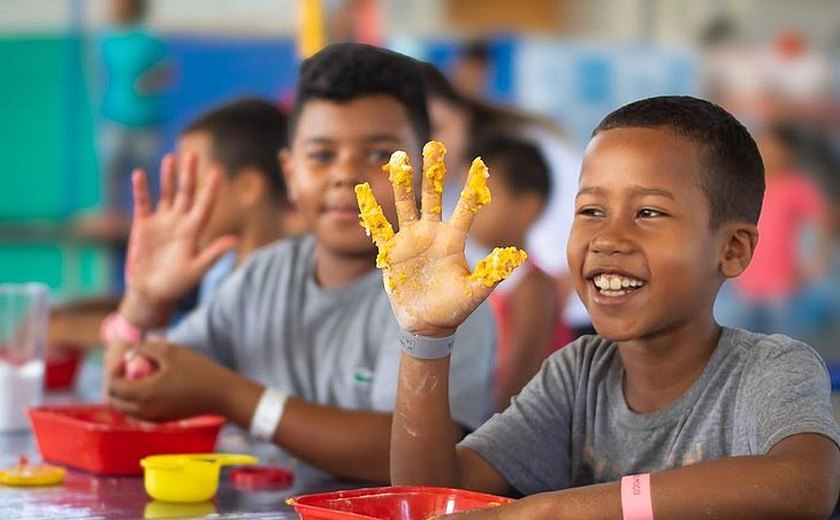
[
  {"x": 165, "y": 258},
  {"x": 798, "y": 478},
  {"x": 432, "y": 292},
  {"x": 350, "y": 444},
  {"x": 532, "y": 320}
]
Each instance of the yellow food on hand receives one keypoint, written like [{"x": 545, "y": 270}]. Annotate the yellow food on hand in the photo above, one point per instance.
[
  {"x": 375, "y": 223},
  {"x": 399, "y": 170},
  {"x": 433, "y": 167},
  {"x": 476, "y": 193},
  {"x": 498, "y": 265}
]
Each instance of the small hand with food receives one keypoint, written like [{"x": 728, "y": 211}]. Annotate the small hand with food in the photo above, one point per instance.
[
  {"x": 425, "y": 272},
  {"x": 160, "y": 381},
  {"x": 165, "y": 257}
]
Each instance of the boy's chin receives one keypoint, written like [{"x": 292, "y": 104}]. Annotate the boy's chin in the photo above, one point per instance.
[
  {"x": 349, "y": 247},
  {"x": 614, "y": 332}
]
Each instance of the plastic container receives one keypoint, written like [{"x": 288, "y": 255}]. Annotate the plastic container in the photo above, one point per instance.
[
  {"x": 391, "y": 503},
  {"x": 189, "y": 477},
  {"x": 23, "y": 338},
  {"x": 98, "y": 439},
  {"x": 254, "y": 478},
  {"x": 62, "y": 366}
]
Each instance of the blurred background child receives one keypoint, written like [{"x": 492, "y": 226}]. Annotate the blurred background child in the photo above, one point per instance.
[
  {"x": 793, "y": 249},
  {"x": 526, "y": 304},
  {"x": 242, "y": 140},
  {"x": 460, "y": 122},
  {"x": 136, "y": 74}
]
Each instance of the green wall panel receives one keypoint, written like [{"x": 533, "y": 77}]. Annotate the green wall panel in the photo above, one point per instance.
[{"x": 47, "y": 157}]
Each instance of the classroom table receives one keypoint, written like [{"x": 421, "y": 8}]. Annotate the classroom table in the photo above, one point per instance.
[{"x": 85, "y": 495}]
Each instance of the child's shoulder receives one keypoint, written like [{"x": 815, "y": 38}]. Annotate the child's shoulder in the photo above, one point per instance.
[
  {"x": 767, "y": 349},
  {"x": 292, "y": 253},
  {"x": 587, "y": 356}
]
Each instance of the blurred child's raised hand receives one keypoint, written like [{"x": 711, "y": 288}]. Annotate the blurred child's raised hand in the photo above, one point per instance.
[
  {"x": 429, "y": 283},
  {"x": 165, "y": 257}
]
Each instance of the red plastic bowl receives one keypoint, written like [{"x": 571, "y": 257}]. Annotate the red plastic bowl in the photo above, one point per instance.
[
  {"x": 391, "y": 503},
  {"x": 98, "y": 439}
]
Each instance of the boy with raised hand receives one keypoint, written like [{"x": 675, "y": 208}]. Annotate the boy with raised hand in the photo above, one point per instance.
[
  {"x": 297, "y": 344},
  {"x": 664, "y": 414},
  {"x": 234, "y": 147}
]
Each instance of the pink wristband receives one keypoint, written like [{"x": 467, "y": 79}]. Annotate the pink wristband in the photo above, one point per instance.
[
  {"x": 115, "y": 328},
  {"x": 636, "y": 503}
]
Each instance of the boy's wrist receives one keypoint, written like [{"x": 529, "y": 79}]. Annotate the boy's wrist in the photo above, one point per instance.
[
  {"x": 426, "y": 347},
  {"x": 143, "y": 312}
]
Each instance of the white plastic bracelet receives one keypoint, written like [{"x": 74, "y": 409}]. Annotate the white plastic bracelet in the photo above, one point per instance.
[
  {"x": 268, "y": 413},
  {"x": 423, "y": 347}
]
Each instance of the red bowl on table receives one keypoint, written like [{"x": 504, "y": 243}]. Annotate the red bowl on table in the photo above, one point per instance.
[
  {"x": 391, "y": 503},
  {"x": 98, "y": 439}
]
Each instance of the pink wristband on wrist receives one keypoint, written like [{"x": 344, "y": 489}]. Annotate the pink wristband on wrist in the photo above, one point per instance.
[
  {"x": 115, "y": 328},
  {"x": 636, "y": 503}
]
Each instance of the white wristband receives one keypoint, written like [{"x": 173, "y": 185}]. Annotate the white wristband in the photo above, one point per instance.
[
  {"x": 268, "y": 413},
  {"x": 422, "y": 347}
]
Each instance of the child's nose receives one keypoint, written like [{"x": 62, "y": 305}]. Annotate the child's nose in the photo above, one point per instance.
[
  {"x": 347, "y": 171},
  {"x": 612, "y": 239}
]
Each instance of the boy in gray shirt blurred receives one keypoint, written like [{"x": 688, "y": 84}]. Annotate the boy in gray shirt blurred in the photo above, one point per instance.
[{"x": 299, "y": 344}]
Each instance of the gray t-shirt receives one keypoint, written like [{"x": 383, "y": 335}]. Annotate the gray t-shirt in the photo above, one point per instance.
[
  {"x": 271, "y": 322},
  {"x": 571, "y": 425}
]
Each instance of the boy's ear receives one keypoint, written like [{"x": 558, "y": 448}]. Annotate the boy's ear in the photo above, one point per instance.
[
  {"x": 250, "y": 186},
  {"x": 740, "y": 239},
  {"x": 287, "y": 167}
]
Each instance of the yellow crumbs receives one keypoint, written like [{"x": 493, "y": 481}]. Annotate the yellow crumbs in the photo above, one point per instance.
[
  {"x": 376, "y": 225},
  {"x": 433, "y": 168},
  {"x": 476, "y": 191},
  {"x": 498, "y": 265},
  {"x": 399, "y": 170}
]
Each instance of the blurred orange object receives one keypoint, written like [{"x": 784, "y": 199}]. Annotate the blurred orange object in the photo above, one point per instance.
[
  {"x": 391, "y": 503},
  {"x": 98, "y": 439}
]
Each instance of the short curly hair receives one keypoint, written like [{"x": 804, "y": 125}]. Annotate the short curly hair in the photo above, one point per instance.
[
  {"x": 346, "y": 71},
  {"x": 734, "y": 173}
]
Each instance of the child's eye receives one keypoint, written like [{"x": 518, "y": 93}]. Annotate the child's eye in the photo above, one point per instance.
[
  {"x": 320, "y": 155},
  {"x": 590, "y": 212},
  {"x": 379, "y": 156},
  {"x": 649, "y": 213}
]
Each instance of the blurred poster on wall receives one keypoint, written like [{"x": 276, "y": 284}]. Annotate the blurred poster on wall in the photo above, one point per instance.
[{"x": 578, "y": 84}]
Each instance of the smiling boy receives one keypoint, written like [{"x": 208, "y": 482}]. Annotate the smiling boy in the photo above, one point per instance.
[
  {"x": 664, "y": 413},
  {"x": 297, "y": 342}
]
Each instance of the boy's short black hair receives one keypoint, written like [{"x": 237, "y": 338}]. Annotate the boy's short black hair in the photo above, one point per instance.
[
  {"x": 438, "y": 86},
  {"x": 734, "y": 173},
  {"x": 517, "y": 161},
  {"x": 346, "y": 71},
  {"x": 248, "y": 133}
]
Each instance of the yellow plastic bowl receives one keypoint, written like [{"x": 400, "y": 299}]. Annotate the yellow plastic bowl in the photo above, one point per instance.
[{"x": 189, "y": 477}]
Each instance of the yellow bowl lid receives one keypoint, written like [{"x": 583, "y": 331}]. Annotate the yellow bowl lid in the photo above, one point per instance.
[{"x": 26, "y": 474}]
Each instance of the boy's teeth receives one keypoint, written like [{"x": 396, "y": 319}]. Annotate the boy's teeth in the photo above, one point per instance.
[{"x": 613, "y": 284}]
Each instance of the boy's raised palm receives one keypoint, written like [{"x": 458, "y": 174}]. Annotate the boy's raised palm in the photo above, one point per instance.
[
  {"x": 165, "y": 259},
  {"x": 430, "y": 285}
]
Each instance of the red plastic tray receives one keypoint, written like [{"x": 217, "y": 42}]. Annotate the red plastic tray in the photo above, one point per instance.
[
  {"x": 391, "y": 503},
  {"x": 98, "y": 439}
]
